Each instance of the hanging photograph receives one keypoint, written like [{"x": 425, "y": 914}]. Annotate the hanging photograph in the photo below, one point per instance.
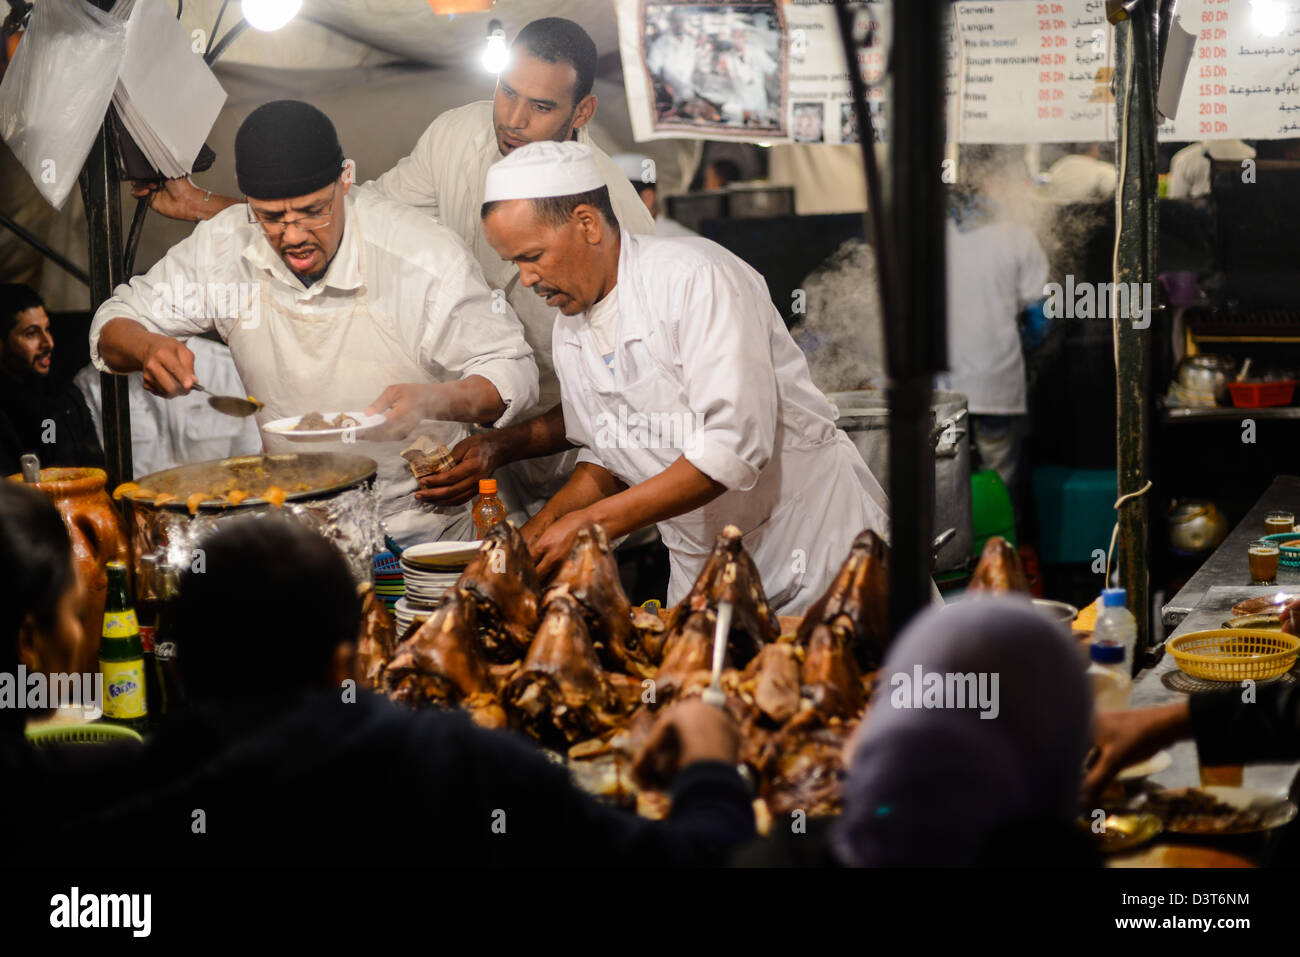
[{"x": 712, "y": 69}]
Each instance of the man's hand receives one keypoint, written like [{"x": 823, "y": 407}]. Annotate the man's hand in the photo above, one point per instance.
[
  {"x": 552, "y": 547},
  {"x": 1290, "y": 616},
  {"x": 404, "y": 407},
  {"x": 173, "y": 198},
  {"x": 168, "y": 367},
  {"x": 476, "y": 458},
  {"x": 687, "y": 732},
  {"x": 1123, "y": 738}
]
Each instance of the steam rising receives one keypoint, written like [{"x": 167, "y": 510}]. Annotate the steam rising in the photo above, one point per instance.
[{"x": 842, "y": 332}]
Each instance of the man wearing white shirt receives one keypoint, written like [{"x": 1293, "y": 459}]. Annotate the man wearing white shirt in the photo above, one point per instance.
[
  {"x": 671, "y": 59},
  {"x": 691, "y": 404},
  {"x": 995, "y": 269},
  {"x": 329, "y": 300}
]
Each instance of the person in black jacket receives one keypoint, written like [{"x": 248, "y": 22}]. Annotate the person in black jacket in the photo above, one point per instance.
[
  {"x": 280, "y": 760},
  {"x": 36, "y": 413}
]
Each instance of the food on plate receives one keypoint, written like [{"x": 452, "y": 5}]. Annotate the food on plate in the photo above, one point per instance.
[
  {"x": 1192, "y": 811},
  {"x": 1263, "y": 604},
  {"x": 427, "y": 456},
  {"x": 311, "y": 422},
  {"x": 194, "y": 501},
  {"x": 999, "y": 568},
  {"x": 275, "y": 495},
  {"x": 857, "y": 602}
]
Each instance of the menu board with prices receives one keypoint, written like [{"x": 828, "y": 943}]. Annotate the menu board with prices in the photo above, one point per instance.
[
  {"x": 1244, "y": 79},
  {"x": 1016, "y": 71}
]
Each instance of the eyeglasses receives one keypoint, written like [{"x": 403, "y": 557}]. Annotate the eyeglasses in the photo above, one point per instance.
[{"x": 275, "y": 227}]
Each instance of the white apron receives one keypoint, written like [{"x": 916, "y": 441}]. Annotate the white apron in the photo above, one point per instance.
[{"x": 340, "y": 357}]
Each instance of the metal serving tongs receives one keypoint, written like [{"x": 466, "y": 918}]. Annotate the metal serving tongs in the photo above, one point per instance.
[
  {"x": 230, "y": 404},
  {"x": 714, "y": 694}
]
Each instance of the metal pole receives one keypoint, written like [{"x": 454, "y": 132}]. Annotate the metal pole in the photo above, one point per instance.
[
  {"x": 53, "y": 255},
  {"x": 99, "y": 190},
  {"x": 1135, "y": 266},
  {"x": 917, "y": 340}
]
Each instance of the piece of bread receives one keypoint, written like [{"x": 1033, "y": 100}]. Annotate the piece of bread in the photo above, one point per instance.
[{"x": 427, "y": 456}]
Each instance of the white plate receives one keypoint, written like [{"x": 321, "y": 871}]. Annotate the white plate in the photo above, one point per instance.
[
  {"x": 285, "y": 426},
  {"x": 435, "y": 558},
  {"x": 1152, "y": 765}
]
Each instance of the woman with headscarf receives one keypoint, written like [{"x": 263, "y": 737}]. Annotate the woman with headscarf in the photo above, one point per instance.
[{"x": 990, "y": 775}]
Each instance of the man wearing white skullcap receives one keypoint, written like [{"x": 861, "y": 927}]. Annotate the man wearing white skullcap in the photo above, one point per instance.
[{"x": 692, "y": 406}]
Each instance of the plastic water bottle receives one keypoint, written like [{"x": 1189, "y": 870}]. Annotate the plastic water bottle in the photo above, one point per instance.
[
  {"x": 1110, "y": 679},
  {"x": 1116, "y": 624}
]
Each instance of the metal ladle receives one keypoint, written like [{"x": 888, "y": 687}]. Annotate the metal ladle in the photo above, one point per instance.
[{"x": 230, "y": 404}]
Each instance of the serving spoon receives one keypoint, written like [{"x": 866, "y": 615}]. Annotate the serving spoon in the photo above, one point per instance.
[{"x": 230, "y": 404}]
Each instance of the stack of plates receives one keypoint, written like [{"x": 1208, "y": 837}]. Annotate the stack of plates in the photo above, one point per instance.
[
  {"x": 405, "y": 614},
  {"x": 389, "y": 585},
  {"x": 431, "y": 569}
]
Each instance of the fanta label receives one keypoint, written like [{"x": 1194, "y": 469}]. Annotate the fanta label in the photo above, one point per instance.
[{"x": 123, "y": 689}]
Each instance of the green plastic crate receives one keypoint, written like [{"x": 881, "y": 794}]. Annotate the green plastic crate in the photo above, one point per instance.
[{"x": 1075, "y": 510}]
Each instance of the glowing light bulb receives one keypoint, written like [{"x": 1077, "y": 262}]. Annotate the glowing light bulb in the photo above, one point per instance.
[
  {"x": 269, "y": 15},
  {"x": 497, "y": 54}
]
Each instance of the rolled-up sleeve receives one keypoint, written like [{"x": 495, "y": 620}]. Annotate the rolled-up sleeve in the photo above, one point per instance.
[
  {"x": 470, "y": 330},
  {"x": 724, "y": 345},
  {"x": 169, "y": 299}
]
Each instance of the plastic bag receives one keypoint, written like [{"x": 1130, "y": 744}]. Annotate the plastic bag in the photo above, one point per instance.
[{"x": 57, "y": 90}]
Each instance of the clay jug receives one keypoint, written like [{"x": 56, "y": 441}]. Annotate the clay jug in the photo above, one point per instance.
[{"x": 97, "y": 534}]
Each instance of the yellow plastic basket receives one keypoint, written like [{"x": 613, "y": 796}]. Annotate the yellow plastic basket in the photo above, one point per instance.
[{"x": 1234, "y": 654}]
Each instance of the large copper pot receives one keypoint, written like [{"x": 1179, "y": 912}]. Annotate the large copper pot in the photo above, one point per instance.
[{"x": 98, "y": 536}]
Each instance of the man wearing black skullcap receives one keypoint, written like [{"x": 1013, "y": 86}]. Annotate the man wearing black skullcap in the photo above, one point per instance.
[
  {"x": 330, "y": 300},
  {"x": 543, "y": 93}
]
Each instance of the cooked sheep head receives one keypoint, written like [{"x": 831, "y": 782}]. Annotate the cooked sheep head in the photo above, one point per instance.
[
  {"x": 502, "y": 582},
  {"x": 730, "y": 575},
  {"x": 999, "y": 568},
  {"x": 830, "y": 675},
  {"x": 377, "y": 639},
  {"x": 590, "y": 575},
  {"x": 560, "y": 695},
  {"x": 857, "y": 602},
  {"x": 442, "y": 663}
]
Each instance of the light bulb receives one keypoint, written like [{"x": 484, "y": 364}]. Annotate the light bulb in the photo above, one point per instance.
[
  {"x": 269, "y": 15},
  {"x": 1268, "y": 17},
  {"x": 496, "y": 54}
]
